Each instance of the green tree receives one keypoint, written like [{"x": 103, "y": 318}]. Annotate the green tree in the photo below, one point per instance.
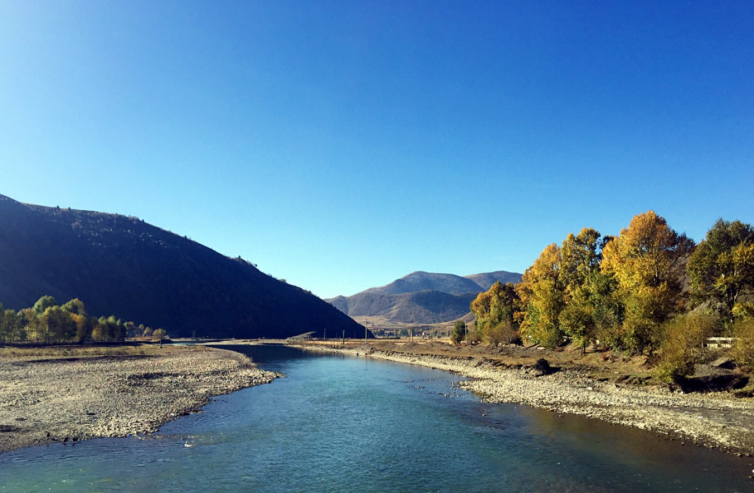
[
  {"x": 459, "y": 332},
  {"x": 43, "y": 304},
  {"x": 579, "y": 269},
  {"x": 721, "y": 268}
]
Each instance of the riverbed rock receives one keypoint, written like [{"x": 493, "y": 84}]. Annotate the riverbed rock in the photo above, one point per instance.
[{"x": 542, "y": 367}]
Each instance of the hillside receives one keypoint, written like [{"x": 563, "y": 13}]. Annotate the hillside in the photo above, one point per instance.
[
  {"x": 124, "y": 266},
  {"x": 421, "y": 297}
]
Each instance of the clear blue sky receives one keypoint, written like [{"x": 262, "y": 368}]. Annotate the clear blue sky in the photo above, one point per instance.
[{"x": 344, "y": 144}]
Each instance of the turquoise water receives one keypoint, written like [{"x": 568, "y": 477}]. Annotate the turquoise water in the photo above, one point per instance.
[{"x": 341, "y": 424}]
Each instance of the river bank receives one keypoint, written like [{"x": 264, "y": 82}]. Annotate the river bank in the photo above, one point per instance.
[
  {"x": 715, "y": 420},
  {"x": 50, "y": 396}
]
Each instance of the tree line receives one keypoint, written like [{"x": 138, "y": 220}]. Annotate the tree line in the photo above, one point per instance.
[
  {"x": 649, "y": 290},
  {"x": 49, "y": 323}
]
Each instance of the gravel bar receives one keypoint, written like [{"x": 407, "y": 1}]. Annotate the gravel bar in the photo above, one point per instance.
[{"x": 67, "y": 400}]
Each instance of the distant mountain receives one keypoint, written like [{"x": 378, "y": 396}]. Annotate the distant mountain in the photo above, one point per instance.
[
  {"x": 123, "y": 266},
  {"x": 485, "y": 281},
  {"x": 428, "y": 281},
  {"x": 421, "y": 297}
]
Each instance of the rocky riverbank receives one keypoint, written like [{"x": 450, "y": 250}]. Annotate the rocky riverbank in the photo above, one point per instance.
[
  {"x": 54, "y": 399},
  {"x": 715, "y": 420}
]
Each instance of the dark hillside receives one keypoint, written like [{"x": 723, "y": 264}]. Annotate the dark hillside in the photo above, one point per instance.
[{"x": 124, "y": 266}]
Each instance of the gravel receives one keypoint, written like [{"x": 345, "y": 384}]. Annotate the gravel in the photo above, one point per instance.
[{"x": 69, "y": 400}]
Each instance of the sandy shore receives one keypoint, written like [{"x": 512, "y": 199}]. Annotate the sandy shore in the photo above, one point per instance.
[
  {"x": 45, "y": 400},
  {"x": 714, "y": 420}
]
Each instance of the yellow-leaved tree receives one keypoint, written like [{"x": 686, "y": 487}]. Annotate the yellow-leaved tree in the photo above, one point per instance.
[
  {"x": 541, "y": 296},
  {"x": 647, "y": 262},
  {"x": 494, "y": 311}
]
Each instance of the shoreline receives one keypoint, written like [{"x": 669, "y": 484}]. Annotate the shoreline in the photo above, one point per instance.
[
  {"x": 66, "y": 400},
  {"x": 711, "y": 420}
]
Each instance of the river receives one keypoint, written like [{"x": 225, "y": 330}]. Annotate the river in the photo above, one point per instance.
[{"x": 344, "y": 424}]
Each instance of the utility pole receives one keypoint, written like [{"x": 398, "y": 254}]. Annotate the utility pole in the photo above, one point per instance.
[{"x": 344, "y": 337}]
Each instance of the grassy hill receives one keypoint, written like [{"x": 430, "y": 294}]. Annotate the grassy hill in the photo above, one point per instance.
[{"x": 121, "y": 265}]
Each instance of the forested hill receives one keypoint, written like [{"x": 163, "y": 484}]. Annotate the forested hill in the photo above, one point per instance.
[
  {"x": 422, "y": 297},
  {"x": 122, "y": 265}
]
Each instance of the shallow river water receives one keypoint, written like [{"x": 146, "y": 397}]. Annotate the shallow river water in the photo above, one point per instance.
[{"x": 344, "y": 424}]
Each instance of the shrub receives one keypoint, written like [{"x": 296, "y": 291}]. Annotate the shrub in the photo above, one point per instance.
[
  {"x": 501, "y": 333},
  {"x": 682, "y": 345},
  {"x": 743, "y": 345}
]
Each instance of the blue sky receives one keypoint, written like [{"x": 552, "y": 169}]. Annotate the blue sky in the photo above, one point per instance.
[{"x": 343, "y": 144}]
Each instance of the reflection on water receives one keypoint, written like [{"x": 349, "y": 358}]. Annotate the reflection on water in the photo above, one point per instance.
[{"x": 344, "y": 424}]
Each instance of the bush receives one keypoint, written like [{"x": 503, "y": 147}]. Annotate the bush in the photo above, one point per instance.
[
  {"x": 474, "y": 336},
  {"x": 501, "y": 333},
  {"x": 743, "y": 345},
  {"x": 682, "y": 345}
]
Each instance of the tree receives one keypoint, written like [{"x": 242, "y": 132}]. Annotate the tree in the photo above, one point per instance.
[
  {"x": 43, "y": 304},
  {"x": 75, "y": 306},
  {"x": 541, "y": 296},
  {"x": 459, "y": 332},
  {"x": 60, "y": 324},
  {"x": 84, "y": 327},
  {"x": 34, "y": 327},
  {"x": 494, "y": 311},
  {"x": 579, "y": 268},
  {"x": 721, "y": 268},
  {"x": 160, "y": 335},
  {"x": 647, "y": 262}
]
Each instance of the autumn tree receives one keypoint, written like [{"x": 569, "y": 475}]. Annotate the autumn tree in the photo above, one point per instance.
[
  {"x": 647, "y": 262},
  {"x": 542, "y": 298},
  {"x": 721, "y": 268},
  {"x": 60, "y": 326},
  {"x": 494, "y": 311},
  {"x": 75, "y": 306}
]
